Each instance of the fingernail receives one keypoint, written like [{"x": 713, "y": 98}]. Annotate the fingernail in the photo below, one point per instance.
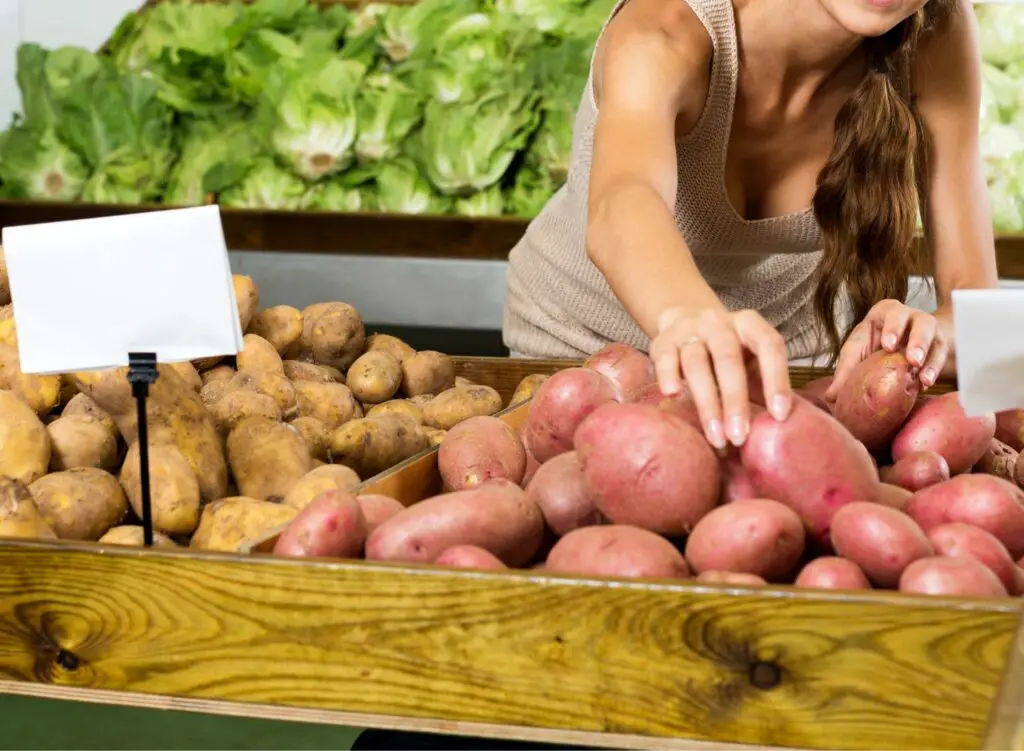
[
  {"x": 916, "y": 355},
  {"x": 779, "y": 407},
  {"x": 889, "y": 341},
  {"x": 928, "y": 376},
  {"x": 737, "y": 430},
  {"x": 716, "y": 435}
]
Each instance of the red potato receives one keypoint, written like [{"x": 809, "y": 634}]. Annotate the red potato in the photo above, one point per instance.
[
  {"x": 495, "y": 516},
  {"x": 736, "y": 482},
  {"x": 984, "y": 501},
  {"x": 964, "y": 541},
  {"x": 681, "y": 404},
  {"x": 560, "y": 491},
  {"x": 829, "y": 572},
  {"x": 999, "y": 460},
  {"x": 951, "y": 576},
  {"x": 731, "y": 577},
  {"x": 756, "y": 536},
  {"x": 894, "y": 496},
  {"x": 877, "y": 397},
  {"x": 917, "y": 470},
  {"x": 1010, "y": 428},
  {"x": 647, "y": 468},
  {"x": 811, "y": 463},
  {"x": 331, "y": 526},
  {"x": 814, "y": 392},
  {"x": 617, "y": 550},
  {"x": 377, "y": 509},
  {"x": 469, "y": 556},
  {"x": 532, "y": 465},
  {"x": 940, "y": 425},
  {"x": 562, "y": 402},
  {"x": 880, "y": 540},
  {"x": 626, "y": 367},
  {"x": 480, "y": 449}
]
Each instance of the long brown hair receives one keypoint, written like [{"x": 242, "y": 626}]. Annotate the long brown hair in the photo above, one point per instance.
[{"x": 872, "y": 187}]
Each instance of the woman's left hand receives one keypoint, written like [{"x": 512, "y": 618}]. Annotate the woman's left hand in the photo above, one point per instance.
[{"x": 892, "y": 326}]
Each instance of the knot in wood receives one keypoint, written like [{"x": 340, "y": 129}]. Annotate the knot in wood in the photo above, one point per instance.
[{"x": 765, "y": 675}]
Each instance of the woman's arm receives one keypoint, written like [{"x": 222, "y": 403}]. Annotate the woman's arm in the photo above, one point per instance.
[
  {"x": 958, "y": 222},
  {"x": 651, "y": 77},
  {"x": 652, "y": 68}
]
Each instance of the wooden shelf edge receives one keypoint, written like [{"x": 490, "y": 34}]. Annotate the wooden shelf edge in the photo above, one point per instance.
[{"x": 397, "y": 235}]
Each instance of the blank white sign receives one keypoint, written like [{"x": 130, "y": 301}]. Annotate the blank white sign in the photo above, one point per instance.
[{"x": 88, "y": 292}]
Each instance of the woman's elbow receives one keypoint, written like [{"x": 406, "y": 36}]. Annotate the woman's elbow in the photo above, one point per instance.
[{"x": 599, "y": 229}]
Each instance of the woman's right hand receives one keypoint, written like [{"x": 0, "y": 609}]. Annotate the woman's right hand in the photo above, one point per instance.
[{"x": 710, "y": 349}]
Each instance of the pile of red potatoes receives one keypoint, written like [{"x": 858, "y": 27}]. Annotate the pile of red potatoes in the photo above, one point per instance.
[{"x": 883, "y": 488}]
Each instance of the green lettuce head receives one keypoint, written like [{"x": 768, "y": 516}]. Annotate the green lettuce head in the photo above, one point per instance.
[
  {"x": 489, "y": 202},
  {"x": 335, "y": 195},
  {"x": 105, "y": 187},
  {"x": 308, "y": 115},
  {"x": 465, "y": 148},
  {"x": 215, "y": 155},
  {"x": 403, "y": 190},
  {"x": 37, "y": 166},
  {"x": 46, "y": 79},
  {"x": 408, "y": 28},
  {"x": 387, "y": 110},
  {"x": 532, "y": 189},
  {"x": 267, "y": 186},
  {"x": 1001, "y": 28}
]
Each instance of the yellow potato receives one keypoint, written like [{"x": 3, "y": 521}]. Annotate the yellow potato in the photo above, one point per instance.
[
  {"x": 462, "y": 383},
  {"x": 374, "y": 377},
  {"x": 421, "y": 400},
  {"x": 80, "y": 504},
  {"x": 259, "y": 354},
  {"x": 40, "y": 392},
  {"x": 390, "y": 344},
  {"x": 398, "y": 406},
  {"x": 176, "y": 416},
  {"x": 24, "y": 442},
  {"x": 372, "y": 444},
  {"x": 267, "y": 458},
  {"x": 435, "y": 435},
  {"x": 333, "y": 334},
  {"x": 273, "y": 384},
  {"x": 295, "y": 370},
  {"x": 83, "y": 405},
  {"x": 316, "y": 435},
  {"x": 132, "y": 536},
  {"x": 235, "y": 406},
  {"x": 213, "y": 391},
  {"x": 219, "y": 373},
  {"x": 19, "y": 516},
  {"x": 229, "y": 522},
  {"x": 247, "y": 299},
  {"x": 331, "y": 403},
  {"x": 189, "y": 374},
  {"x": 456, "y": 405},
  {"x": 280, "y": 325},
  {"x": 427, "y": 372},
  {"x": 173, "y": 488},
  {"x": 81, "y": 441},
  {"x": 527, "y": 388},
  {"x": 320, "y": 480}
]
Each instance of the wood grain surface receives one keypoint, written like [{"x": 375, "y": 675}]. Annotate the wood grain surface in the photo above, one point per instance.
[
  {"x": 771, "y": 667},
  {"x": 1006, "y": 728}
]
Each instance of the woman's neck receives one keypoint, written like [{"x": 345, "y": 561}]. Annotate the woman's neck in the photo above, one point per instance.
[{"x": 792, "y": 47}]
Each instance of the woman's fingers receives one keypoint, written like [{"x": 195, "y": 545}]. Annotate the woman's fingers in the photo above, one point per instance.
[
  {"x": 893, "y": 318},
  {"x": 768, "y": 345},
  {"x": 857, "y": 347},
  {"x": 667, "y": 365},
  {"x": 731, "y": 373},
  {"x": 704, "y": 388},
  {"x": 935, "y": 362},
  {"x": 923, "y": 329}
]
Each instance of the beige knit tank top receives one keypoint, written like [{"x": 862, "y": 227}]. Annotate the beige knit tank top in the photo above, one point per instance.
[{"x": 560, "y": 305}]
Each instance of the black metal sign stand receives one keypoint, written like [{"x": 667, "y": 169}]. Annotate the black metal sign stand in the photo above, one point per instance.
[{"x": 142, "y": 373}]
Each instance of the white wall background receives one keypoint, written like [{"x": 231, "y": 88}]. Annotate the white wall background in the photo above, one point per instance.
[{"x": 51, "y": 23}]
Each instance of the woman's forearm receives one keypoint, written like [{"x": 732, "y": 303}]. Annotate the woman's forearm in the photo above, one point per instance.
[{"x": 633, "y": 240}]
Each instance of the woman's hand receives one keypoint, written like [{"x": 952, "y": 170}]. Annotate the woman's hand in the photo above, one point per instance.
[
  {"x": 891, "y": 325},
  {"x": 710, "y": 349}
]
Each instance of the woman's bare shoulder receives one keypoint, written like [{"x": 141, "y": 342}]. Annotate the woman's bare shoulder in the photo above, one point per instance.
[{"x": 657, "y": 41}]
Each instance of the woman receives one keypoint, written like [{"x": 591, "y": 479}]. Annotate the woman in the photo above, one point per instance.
[{"x": 745, "y": 183}]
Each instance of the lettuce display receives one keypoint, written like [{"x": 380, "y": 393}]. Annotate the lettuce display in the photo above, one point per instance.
[{"x": 438, "y": 107}]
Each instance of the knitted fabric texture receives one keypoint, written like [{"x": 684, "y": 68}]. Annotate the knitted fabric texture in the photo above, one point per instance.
[{"x": 559, "y": 305}]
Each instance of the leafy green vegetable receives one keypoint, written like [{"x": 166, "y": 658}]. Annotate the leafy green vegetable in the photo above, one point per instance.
[
  {"x": 105, "y": 187},
  {"x": 407, "y": 27},
  {"x": 387, "y": 111},
  {"x": 215, "y": 155},
  {"x": 554, "y": 18},
  {"x": 1001, "y": 29},
  {"x": 467, "y": 147},
  {"x": 36, "y": 165},
  {"x": 335, "y": 195},
  {"x": 489, "y": 202},
  {"x": 45, "y": 79},
  {"x": 267, "y": 186},
  {"x": 403, "y": 190},
  {"x": 308, "y": 114},
  {"x": 531, "y": 190},
  {"x": 563, "y": 73}
]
